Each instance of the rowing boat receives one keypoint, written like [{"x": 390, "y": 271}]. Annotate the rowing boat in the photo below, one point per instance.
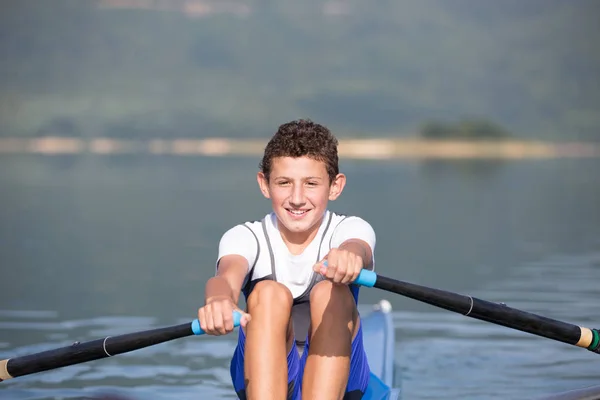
[
  {"x": 378, "y": 338},
  {"x": 379, "y": 342}
]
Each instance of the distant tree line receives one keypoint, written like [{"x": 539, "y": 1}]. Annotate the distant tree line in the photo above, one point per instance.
[{"x": 469, "y": 129}]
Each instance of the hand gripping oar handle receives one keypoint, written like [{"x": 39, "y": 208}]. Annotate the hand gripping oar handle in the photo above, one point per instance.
[
  {"x": 96, "y": 349},
  {"x": 237, "y": 318},
  {"x": 495, "y": 313},
  {"x": 365, "y": 277}
]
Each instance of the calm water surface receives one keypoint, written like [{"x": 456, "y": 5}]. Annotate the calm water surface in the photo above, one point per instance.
[{"x": 91, "y": 247}]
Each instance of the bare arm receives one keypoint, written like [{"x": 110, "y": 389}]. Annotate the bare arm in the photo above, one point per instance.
[
  {"x": 229, "y": 279},
  {"x": 361, "y": 249},
  {"x": 221, "y": 296}
]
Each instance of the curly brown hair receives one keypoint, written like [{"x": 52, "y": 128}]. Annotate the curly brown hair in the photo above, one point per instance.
[{"x": 302, "y": 138}]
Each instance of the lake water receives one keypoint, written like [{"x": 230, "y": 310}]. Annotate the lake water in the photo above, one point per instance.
[{"x": 95, "y": 246}]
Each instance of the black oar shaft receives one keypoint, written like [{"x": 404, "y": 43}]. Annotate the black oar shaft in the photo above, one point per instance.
[
  {"x": 495, "y": 313},
  {"x": 89, "y": 351},
  {"x": 100, "y": 348}
]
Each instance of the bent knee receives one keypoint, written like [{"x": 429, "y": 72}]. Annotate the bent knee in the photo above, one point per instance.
[
  {"x": 327, "y": 293},
  {"x": 269, "y": 292}
]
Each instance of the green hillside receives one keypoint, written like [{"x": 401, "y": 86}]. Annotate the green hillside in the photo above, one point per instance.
[{"x": 69, "y": 67}]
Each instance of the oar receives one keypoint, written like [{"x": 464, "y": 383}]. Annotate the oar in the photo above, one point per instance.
[
  {"x": 487, "y": 311},
  {"x": 96, "y": 349}
]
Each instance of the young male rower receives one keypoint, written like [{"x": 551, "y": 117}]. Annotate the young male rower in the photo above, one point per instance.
[{"x": 294, "y": 302}]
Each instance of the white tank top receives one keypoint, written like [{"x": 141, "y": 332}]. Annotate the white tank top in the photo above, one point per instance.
[{"x": 268, "y": 257}]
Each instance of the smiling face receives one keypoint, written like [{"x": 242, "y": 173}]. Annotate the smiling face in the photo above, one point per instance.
[{"x": 299, "y": 189}]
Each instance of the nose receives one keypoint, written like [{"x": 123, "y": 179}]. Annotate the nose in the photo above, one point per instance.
[{"x": 297, "y": 197}]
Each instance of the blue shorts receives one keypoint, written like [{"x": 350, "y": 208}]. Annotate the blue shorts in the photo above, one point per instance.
[{"x": 357, "y": 380}]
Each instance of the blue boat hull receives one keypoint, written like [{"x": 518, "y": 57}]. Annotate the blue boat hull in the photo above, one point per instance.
[{"x": 379, "y": 344}]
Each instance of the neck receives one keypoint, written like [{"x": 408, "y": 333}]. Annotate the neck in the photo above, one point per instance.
[{"x": 296, "y": 242}]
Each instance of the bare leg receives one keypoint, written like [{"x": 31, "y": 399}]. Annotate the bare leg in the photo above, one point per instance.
[
  {"x": 269, "y": 337},
  {"x": 334, "y": 323}
]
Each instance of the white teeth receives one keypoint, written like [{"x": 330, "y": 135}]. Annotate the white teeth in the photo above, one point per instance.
[{"x": 297, "y": 212}]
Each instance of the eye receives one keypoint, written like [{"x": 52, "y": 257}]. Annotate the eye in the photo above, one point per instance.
[
  {"x": 312, "y": 184},
  {"x": 283, "y": 183}
]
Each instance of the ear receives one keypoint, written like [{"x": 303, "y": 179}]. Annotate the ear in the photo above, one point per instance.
[
  {"x": 263, "y": 184},
  {"x": 337, "y": 186}
]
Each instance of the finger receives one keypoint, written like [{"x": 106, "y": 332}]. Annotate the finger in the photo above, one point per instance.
[
  {"x": 358, "y": 267},
  {"x": 319, "y": 268},
  {"x": 227, "y": 318},
  {"x": 202, "y": 318},
  {"x": 332, "y": 257},
  {"x": 342, "y": 267},
  {"x": 217, "y": 315},
  {"x": 347, "y": 278},
  {"x": 244, "y": 319},
  {"x": 322, "y": 266},
  {"x": 330, "y": 271},
  {"x": 210, "y": 324},
  {"x": 340, "y": 274},
  {"x": 354, "y": 267}
]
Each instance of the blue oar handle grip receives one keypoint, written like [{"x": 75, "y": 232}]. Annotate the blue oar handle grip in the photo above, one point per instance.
[
  {"x": 237, "y": 317},
  {"x": 365, "y": 278}
]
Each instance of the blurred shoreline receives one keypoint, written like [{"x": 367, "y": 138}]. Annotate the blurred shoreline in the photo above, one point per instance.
[{"x": 383, "y": 148}]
